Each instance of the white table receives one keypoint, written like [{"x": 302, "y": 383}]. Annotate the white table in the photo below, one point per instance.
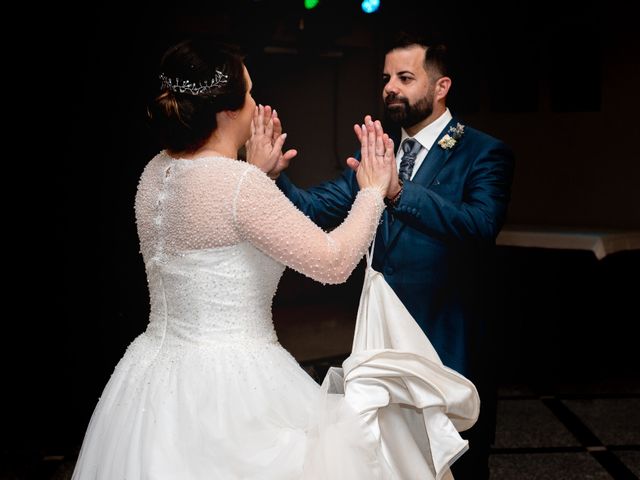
[{"x": 600, "y": 242}]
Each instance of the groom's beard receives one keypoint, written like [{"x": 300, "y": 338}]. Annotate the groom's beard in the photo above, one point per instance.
[{"x": 405, "y": 114}]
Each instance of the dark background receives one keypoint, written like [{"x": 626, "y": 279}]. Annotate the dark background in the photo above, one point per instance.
[{"x": 555, "y": 80}]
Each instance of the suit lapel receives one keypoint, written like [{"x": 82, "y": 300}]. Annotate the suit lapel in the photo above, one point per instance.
[
  {"x": 431, "y": 165},
  {"x": 435, "y": 159}
]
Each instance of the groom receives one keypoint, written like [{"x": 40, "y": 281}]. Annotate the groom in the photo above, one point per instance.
[{"x": 443, "y": 214}]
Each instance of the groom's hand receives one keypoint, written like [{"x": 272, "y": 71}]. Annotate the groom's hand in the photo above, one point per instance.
[{"x": 285, "y": 158}]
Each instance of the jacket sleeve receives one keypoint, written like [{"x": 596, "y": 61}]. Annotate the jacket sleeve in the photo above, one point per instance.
[
  {"x": 482, "y": 211},
  {"x": 328, "y": 203}
]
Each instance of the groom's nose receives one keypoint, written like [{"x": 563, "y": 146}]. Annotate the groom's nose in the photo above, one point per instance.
[{"x": 390, "y": 88}]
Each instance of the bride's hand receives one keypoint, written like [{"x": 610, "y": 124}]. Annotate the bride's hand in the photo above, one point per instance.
[
  {"x": 358, "y": 129},
  {"x": 377, "y": 162},
  {"x": 264, "y": 147}
]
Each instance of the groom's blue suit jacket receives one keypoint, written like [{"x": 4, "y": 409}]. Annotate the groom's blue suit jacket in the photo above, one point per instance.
[{"x": 434, "y": 249}]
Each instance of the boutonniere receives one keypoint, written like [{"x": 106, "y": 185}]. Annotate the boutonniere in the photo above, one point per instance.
[{"x": 452, "y": 136}]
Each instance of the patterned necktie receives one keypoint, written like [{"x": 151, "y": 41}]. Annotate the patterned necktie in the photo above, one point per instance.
[{"x": 410, "y": 149}]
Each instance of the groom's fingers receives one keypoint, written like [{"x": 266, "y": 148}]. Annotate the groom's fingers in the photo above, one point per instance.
[
  {"x": 277, "y": 126},
  {"x": 380, "y": 150},
  {"x": 358, "y": 131},
  {"x": 353, "y": 163},
  {"x": 389, "y": 152},
  {"x": 289, "y": 154},
  {"x": 283, "y": 162}
]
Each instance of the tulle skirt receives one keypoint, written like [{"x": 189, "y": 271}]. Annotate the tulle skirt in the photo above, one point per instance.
[{"x": 227, "y": 411}]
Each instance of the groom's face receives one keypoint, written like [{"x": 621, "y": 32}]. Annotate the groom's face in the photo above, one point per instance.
[{"x": 408, "y": 91}]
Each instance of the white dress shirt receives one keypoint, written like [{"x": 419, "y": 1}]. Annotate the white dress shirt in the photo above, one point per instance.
[{"x": 426, "y": 137}]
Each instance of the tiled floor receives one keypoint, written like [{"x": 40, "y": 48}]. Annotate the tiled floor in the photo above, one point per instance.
[
  {"x": 587, "y": 431},
  {"x": 561, "y": 429}
]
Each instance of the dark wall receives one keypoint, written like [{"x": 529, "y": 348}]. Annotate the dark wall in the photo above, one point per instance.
[{"x": 557, "y": 84}]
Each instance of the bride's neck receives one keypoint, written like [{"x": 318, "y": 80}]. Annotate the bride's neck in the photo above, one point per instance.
[{"x": 214, "y": 147}]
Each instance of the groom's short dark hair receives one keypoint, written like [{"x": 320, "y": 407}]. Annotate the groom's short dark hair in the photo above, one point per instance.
[{"x": 435, "y": 58}]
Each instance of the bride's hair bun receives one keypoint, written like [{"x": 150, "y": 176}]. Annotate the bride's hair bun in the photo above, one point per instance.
[{"x": 198, "y": 79}]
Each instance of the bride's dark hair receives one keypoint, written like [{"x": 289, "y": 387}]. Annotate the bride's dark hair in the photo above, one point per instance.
[{"x": 199, "y": 78}]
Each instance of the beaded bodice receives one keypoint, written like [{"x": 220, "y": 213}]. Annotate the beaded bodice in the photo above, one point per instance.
[
  {"x": 214, "y": 295},
  {"x": 216, "y": 234}
]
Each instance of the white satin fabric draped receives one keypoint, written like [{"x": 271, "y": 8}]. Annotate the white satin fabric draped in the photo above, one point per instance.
[{"x": 394, "y": 379}]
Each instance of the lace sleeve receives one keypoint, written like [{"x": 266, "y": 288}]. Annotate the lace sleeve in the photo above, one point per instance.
[{"x": 267, "y": 219}]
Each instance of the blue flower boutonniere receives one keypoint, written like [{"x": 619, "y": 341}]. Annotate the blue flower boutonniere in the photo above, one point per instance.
[{"x": 452, "y": 136}]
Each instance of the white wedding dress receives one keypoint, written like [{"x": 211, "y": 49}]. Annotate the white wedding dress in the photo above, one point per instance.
[{"x": 207, "y": 392}]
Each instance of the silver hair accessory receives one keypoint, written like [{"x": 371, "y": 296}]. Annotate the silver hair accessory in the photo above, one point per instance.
[{"x": 187, "y": 86}]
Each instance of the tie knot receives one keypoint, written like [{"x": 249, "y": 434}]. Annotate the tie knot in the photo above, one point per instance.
[
  {"x": 411, "y": 146},
  {"x": 410, "y": 149}
]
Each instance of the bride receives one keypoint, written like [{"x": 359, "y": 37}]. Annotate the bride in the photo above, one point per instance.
[{"x": 207, "y": 392}]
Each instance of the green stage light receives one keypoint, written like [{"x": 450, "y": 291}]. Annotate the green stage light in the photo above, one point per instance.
[{"x": 309, "y": 4}]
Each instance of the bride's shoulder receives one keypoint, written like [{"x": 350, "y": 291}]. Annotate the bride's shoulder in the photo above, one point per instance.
[
  {"x": 248, "y": 168},
  {"x": 155, "y": 163},
  {"x": 159, "y": 159},
  {"x": 206, "y": 167},
  {"x": 229, "y": 168},
  {"x": 251, "y": 175}
]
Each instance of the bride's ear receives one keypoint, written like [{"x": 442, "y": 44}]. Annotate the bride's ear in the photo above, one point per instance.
[{"x": 226, "y": 116}]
